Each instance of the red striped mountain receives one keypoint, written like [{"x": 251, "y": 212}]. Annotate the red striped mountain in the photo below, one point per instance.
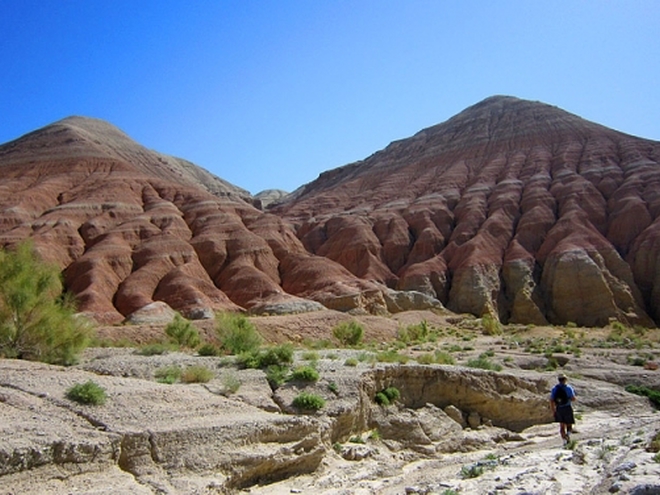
[
  {"x": 130, "y": 227},
  {"x": 512, "y": 207}
]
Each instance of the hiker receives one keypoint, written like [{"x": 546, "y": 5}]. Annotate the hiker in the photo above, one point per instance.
[{"x": 561, "y": 397}]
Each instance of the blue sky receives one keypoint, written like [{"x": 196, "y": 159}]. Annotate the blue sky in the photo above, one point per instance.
[{"x": 268, "y": 94}]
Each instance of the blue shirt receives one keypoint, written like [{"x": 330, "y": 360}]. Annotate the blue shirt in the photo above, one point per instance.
[{"x": 570, "y": 394}]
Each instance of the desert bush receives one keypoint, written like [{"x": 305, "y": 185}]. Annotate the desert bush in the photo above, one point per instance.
[
  {"x": 473, "y": 471},
  {"x": 333, "y": 387},
  {"x": 442, "y": 357},
  {"x": 490, "y": 325},
  {"x": 391, "y": 357},
  {"x": 167, "y": 374},
  {"x": 182, "y": 332},
  {"x": 208, "y": 350},
  {"x": 348, "y": 333},
  {"x": 387, "y": 396},
  {"x": 482, "y": 362},
  {"x": 351, "y": 362},
  {"x": 231, "y": 383},
  {"x": 310, "y": 356},
  {"x": 276, "y": 375},
  {"x": 279, "y": 355},
  {"x": 309, "y": 402},
  {"x": 236, "y": 333},
  {"x": 155, "y": 349},
  {"x": 652, "y": 394},
  {"x": 304, "y": 374},
  {"x": 37, "y": 321},
  {"x": 196, "y": 374},
  {"x": 420, "y": 332},
  {"x": 426, "y": 358},
  {"x": 87, "y": 393}
]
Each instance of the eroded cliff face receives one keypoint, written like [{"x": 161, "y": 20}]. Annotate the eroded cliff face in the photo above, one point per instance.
[
  {"x": 512, "y": 208},
  {"x": 130, "y": 227}
]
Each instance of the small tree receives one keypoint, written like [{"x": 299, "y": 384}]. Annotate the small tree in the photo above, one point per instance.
[
  {"x": 236, "y": 333},
  {"x": 37, "y": 322},
  {"x": 348, "y": 333},
  {"x": 182, "y": 332}
]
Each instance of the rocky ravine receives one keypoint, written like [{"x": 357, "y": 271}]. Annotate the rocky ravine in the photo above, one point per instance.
[
  {"x": 201, "y": 438},
  {"x": 513, "y": 208}
]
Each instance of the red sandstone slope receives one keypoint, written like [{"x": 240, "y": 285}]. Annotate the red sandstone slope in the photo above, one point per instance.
[
  {"x": 129, "y": 226},
  {"x": 511, "y": 207}
]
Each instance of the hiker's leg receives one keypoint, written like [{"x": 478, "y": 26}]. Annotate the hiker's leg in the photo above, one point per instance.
[{"x": 562, "y": 430}]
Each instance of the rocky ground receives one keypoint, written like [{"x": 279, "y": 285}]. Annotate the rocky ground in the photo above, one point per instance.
[{"x": 454, "y": 429}]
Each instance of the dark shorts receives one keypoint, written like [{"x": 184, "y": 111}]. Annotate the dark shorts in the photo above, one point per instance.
[{"x": 565, "y": 415}]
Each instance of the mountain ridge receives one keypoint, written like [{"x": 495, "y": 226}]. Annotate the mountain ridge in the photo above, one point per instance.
[{"x": 512, "y": 208}]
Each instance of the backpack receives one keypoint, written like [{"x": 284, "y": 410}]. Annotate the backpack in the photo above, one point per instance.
[{"x": 561, "y": 395}]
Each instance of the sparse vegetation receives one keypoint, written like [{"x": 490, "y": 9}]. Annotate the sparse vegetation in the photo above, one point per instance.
[
  {"x": 208, "y": 350},
  {"x": 391, "y": 357},
  {"x": 237, "y": 334},
  {"x": 231, "y": 383},
  {"x": 155, "y": 349},
  {"x": 37, "y": 321},
  {"x": 196, "y": 374},
  {"x": 420, "y": 332},
  {"x": 348, "y": 333},
  {"x": 652, "y": 394},
  {"x": 333, "y": 387},
  {"x": 276, "y": 375},
  {"x": 351, "y": 362},
  {"x": 87, "y": 393},
  {"x": 304, "y": 374},
  {"x": 483, "y": 362},
  {"x": 280, "y": 355},
  {"x": 490, "y": 325},
  {"x": 308, "y": 402},
  {"x": 387, "y": 396},
  {"x": 310, "y": 356},
  {"x": 182, "y": 332},
  {"x": 168, "y": 374}
]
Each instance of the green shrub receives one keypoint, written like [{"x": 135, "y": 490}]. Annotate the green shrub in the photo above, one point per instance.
[
  {"x": 348, "y": 333},
  {"x": 310, "y": 356},
  {"x": 37, "y": 321},
  {"x": 304, "y": 374},
  {"x": 491, "y": 325},
  {"x": 263, "y": 358},
  {"x": 391, "y": 357},
  {"x": 351, "y": 362},
  {"x": 442, "y": 357},
  {"x": 333, "y": 387},
  {"x": 420, "y": 332},
  {"x": 196, "y": 374},
  {"x": 652, "y": 394},
  {"x": 309, "y": 402},
  {"x": 387, "y": 396},
  {"x": 231, "y": 383},
  {"x": 236, "y": 333},
  {"x": 182, "y": 332},
  {"x": 483, "y": 363},
  {"x": 276, "y": 375},
  {"x": 87, "y": 393},
  {"x": 208, "y": 350},
  {"x": 473, "y": 471},
  {"x": 155, "y": 349},
  {"x": 427, "y": 358},
  {"x": 168, "y": 374}
]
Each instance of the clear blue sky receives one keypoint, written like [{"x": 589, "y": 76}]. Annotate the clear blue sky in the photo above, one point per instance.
[{"x": 268, "y": 94}]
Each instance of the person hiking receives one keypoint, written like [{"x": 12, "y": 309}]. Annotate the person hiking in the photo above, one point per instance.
[{"x": 561, "y": 398}]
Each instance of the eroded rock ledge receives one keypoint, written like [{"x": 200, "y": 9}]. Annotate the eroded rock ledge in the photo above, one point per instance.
[{"x": 156, "y": 438}]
